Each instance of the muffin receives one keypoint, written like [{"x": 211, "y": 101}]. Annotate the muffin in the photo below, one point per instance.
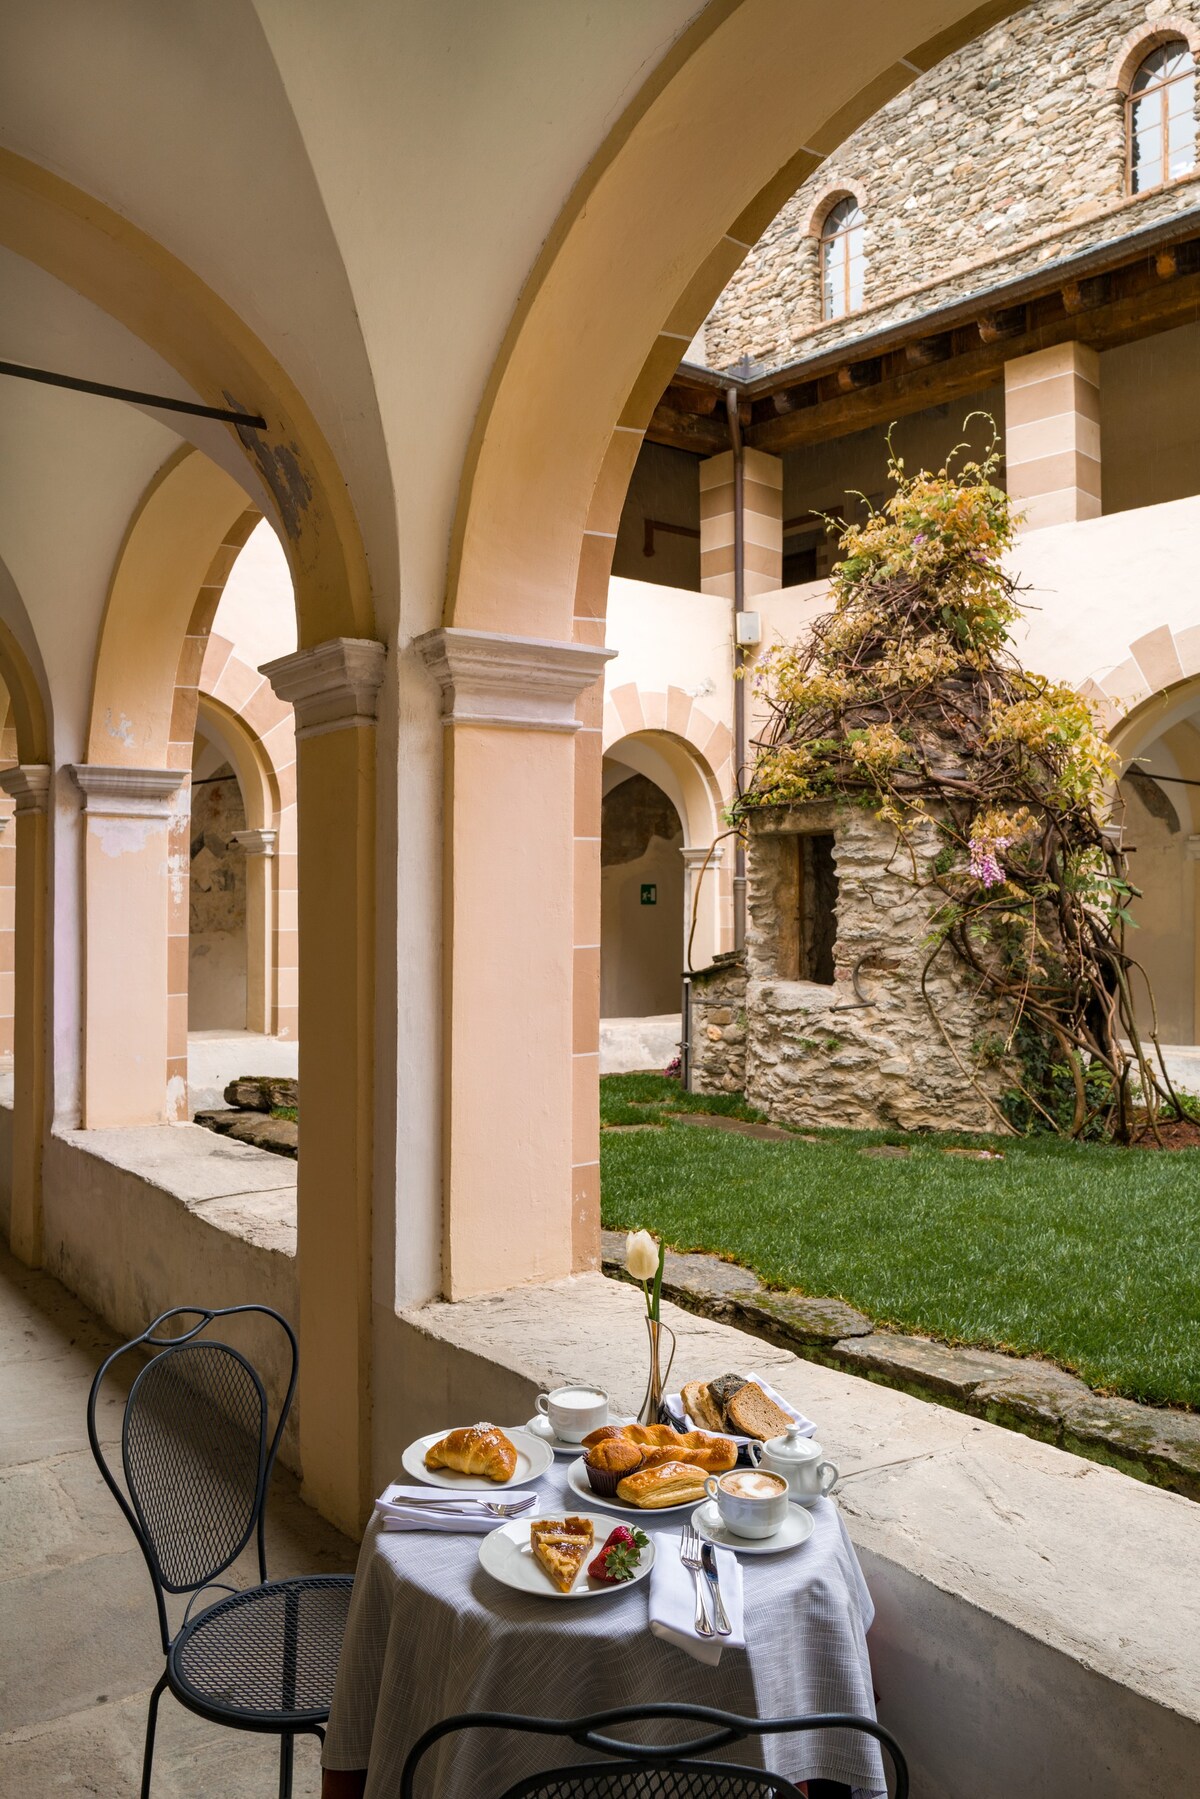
[
  {"x": 609, "y": 1461},
  {"x": 603, "y": 1434}
]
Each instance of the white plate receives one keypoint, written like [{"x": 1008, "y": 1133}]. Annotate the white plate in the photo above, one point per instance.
[
  {"x": 533, "y": 1459},
  {"x": 675, "y": 1406},
  {"x": 579, "y": 1483},
  {"x": 541, "y": 1428},
  {"x": 796, "y": 1528},
  {"x": 506, "y": 1555}
]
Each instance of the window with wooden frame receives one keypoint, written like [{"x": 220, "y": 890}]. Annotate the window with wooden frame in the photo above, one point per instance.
[
  {"x": 1161, "y": 118},
  {"x": 843, "y": 259}
]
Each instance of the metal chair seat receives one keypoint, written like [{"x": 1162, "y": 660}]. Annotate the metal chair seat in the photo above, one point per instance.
[
  {"x": 197, "y": 1451},
  {"x": 265, "y": 1657}
]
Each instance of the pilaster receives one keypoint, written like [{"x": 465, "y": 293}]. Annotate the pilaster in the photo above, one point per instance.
[
  {"x": 129, "y": 877},
  {"x": 28, "y": 786},
  {"x": 1052, "y": 434},
  {"x": 519, "y": 1091},
  {"x": 762, "y": 518},
  {"x": 334, "y": 688}
]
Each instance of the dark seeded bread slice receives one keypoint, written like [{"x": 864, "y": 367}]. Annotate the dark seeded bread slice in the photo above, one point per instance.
[
  {"x": 721, "y": 1391},
  {"x": 752, "y": 1413}
]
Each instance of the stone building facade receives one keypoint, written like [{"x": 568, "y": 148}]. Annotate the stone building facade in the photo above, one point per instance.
[
  {"x": 863, "y": 1044},
  {"x": 1008, "y": 155}
]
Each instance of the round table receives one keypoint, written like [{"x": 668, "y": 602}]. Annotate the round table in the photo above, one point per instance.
[{"x": 430, "y": 1634}]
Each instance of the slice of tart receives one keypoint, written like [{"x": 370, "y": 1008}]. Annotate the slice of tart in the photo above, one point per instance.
[{"x": 562, "y": 1546}]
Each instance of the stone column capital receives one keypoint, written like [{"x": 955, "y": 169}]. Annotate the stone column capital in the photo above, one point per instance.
[
  {"x": 695, "y": 856},
  {"x": 333, "y": 686},
  {"x": 517, "y": 683},
  {"x": 256, "y": 843},
  {"x": 120, "y": 792},
  {"x": 29, "y": 785}
]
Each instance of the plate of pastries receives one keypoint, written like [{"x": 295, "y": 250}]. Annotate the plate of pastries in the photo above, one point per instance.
[
  {"x": 648, "y": 1467},
  {"x": 742, "y": 1407},
  {"x": 580, "y": 1556},
  {"x": 477, "y": 1457}
]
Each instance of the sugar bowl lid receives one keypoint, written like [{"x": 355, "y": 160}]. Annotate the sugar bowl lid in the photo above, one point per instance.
[{"x": 792, "y": 1446}]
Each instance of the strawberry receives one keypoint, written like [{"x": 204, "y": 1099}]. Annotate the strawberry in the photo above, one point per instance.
[{"x": 619, "y": 1557}]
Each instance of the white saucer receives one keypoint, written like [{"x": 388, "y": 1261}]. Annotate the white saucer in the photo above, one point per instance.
[
  {"x": 539, "y": 1426},
  {"x": 582, "y": 1487},
  {"x": 796, "y": 1528},
  {"x": 534, "y": 1456},
  {"x": 506, "y": 1555}
]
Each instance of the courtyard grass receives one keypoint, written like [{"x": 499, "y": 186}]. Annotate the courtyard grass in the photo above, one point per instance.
[{"x": 1087, "y": 1255}]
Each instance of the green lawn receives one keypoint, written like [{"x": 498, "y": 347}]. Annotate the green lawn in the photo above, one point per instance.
[{"x": 1089, "y": 1256}]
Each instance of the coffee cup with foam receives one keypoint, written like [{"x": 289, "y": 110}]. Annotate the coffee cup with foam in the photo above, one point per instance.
[{"x": 752, "y": 1503}]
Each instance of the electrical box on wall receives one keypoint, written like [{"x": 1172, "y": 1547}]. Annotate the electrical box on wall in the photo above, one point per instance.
[{"x": 749, "y": 630}]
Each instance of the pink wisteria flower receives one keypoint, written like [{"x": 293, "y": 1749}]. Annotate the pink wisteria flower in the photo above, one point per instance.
[{"x": 985, "y": 866}]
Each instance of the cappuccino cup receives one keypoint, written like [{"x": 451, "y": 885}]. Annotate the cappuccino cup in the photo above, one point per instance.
[
  {"x": 752, "y": 1503},
  {"x": 574, "y": 1411}
]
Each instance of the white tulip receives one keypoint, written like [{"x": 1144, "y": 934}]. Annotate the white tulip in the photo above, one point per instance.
[{"x": 641, "y": 1255}]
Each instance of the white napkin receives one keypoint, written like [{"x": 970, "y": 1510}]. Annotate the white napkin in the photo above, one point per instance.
[
  {"x": 673, "y": 1601},
  {"x": 410, "y": 1508}
]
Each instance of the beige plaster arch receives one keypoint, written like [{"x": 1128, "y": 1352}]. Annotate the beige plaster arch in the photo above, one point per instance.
[
  {"x": 740, "y": 111},
  {"x": 672, "y": 760},
  {"x": 1158, "y": 660},
  {"x": 260, "y": 797},
  {"x": 170, "y": 571},
  {"x": 696, "y": 747},
  {"x": 109, "y": 261}
]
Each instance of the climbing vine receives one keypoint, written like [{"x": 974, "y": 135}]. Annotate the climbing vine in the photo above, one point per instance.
[{"x": 908, "y": 698}]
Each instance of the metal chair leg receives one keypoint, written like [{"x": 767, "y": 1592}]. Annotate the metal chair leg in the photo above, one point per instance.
[
  {"x": 286, "y": 1747},
  {"x": 151, "y": 1725}
]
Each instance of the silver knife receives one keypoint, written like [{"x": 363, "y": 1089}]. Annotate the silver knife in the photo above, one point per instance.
[{"x": 708, "y": 1558}]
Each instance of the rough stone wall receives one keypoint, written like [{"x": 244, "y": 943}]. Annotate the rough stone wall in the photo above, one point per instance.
[
  {"x": 1006, "y": 155},
  {"x": 809, "y": 1061},
  {"x": 718, "y": 1027}
]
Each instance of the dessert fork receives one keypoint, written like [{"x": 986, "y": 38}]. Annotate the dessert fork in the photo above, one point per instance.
[
  {"x": 689, "y": 1555},
  {"x": 509, "y": 1508}
]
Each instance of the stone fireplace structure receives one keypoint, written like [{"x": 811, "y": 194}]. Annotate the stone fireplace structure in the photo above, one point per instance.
[{"x": 840, "y": 1029}]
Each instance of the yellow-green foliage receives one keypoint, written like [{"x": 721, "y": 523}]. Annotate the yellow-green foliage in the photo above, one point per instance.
[{"x": 907, "y": 697}]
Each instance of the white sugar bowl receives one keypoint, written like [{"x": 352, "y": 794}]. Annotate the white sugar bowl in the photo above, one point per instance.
[{"x": 799, "y": 1461}]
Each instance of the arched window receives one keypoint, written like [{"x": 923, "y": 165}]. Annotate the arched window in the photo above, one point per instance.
[
  {"x": 843, "y": 259},
  {"x": 1161, "y": 121}
]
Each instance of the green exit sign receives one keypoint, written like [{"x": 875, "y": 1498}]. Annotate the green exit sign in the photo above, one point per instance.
[{"x": 649, "y": 894}]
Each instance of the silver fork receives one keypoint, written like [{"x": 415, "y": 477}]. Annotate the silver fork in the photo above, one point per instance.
[
  {"x": 689, "y": 1555},
  {"x": 511, "y": 1508}
]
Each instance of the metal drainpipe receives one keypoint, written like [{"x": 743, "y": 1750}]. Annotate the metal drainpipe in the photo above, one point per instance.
[{"x": 739, "y": 686}]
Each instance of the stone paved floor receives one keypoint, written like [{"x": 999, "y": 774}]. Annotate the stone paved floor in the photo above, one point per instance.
[{"x": 78, "y": 1637}]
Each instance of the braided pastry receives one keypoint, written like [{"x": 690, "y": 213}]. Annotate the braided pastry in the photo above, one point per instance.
[{"x": 476, "y": 1449}]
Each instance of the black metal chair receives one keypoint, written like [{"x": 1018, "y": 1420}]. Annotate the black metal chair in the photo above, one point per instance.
[
  {"x": 651, "y": 1771},
  {"x": 197, "y": 1460}
]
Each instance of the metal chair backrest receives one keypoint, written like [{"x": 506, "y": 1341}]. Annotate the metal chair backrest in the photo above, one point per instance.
[
  {"x": 196, "y": 1450},
  {"x": 650, "y": 1770}
]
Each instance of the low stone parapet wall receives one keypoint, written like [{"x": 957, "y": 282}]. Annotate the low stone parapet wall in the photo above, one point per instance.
[
  {"x": 142, "y": 1219},
  {"x": 718, "y": 1027}
]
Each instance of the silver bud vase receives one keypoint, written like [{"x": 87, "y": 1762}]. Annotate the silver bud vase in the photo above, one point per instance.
[{"x": 652, "y": 1405}]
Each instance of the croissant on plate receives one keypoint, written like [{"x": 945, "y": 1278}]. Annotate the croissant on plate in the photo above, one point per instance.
[{"x": 476, "y": 1449}]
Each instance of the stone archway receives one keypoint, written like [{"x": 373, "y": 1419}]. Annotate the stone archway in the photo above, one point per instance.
[
  {"x": 333, "y": 681},
  {"x": 741, "y": 110}
]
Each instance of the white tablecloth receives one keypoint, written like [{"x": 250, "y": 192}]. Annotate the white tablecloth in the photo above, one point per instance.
[{"x": 429, "y": 1634}]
